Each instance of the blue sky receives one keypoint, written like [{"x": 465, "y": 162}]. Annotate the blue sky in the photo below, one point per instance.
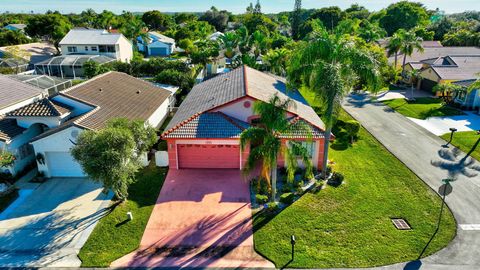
[{"x": 236, "y": 6}]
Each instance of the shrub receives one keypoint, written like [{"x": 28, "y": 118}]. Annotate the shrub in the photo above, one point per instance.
[
  {"x": 272, "y": 206},
  {"x": 261, "y": 199},
  {"x": 175, "y": 77},
  {"x": 352, "y": 128},
  {"x": 287, "y": 198},
  {"x": 259, "y": 186},
  {"x": 336, "y": 179}
]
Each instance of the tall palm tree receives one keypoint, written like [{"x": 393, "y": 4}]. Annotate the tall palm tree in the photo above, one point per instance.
[
  {"x": 394, "y": 43},
  {"x": 229, "y": 43},
  {"x": 409, "y": 43},
  {"x": 371, "y": 32},
  {"x": 266, "y": 144},
  {"x": 135, "y": 29},
  {"x": 259, "y": 43},
  {"x": 330, "y": 65}
]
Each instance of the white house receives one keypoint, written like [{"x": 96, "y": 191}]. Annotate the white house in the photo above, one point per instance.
[
  {"x": 91, "y": 105},
  {"x": 157, "y": 45},
  {"x": 97, "y": 42},
  {"x": 215, "y": 36},
  {"x": 15, "y": 138}
]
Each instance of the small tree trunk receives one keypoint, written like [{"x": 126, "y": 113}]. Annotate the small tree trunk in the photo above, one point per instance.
[
  {"x": 326, "y": 144},
  {"x": 396, "y": 60},
  {"x": 274, "y": 182},
  {"x": 403, "y": 65}
]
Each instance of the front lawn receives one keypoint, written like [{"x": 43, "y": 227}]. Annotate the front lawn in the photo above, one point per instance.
[
  {"x": 350, "y": 226},
  {"x": 465, "y": 141},
  {"x": 422, "y": 108},
  {"x": 113, "y": 237}
]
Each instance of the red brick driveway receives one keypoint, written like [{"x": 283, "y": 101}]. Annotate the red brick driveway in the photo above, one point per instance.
[{"x": 202, "y": 219}]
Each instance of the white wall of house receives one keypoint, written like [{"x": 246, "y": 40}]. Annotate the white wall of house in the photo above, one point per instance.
[
  {"x": 58, "y": 143},
  {"x": 238, "y": 109},
  {"x": 123, "y": 50},
  {"x": 26, "y": 122},
  {"x": 19, "y": 146},
  {"x": 157, "y": 118}
]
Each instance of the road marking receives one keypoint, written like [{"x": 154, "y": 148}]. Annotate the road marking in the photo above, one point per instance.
[{"x": 470, "y": 227}]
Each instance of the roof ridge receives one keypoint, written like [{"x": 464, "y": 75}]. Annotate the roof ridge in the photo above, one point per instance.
[{"x": 245, "y": 80}]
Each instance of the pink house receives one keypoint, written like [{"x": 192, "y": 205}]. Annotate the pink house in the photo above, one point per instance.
[{"x": 205, "y": 131}]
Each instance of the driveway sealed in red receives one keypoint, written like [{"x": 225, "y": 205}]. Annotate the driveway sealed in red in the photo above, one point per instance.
[{"x": 202, "y": 218}]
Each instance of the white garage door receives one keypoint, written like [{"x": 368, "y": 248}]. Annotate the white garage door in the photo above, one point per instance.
[{"x": 62, "y": 164}]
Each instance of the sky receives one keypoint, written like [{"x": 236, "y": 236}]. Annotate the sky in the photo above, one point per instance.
[{"x": 235, "y": 6}]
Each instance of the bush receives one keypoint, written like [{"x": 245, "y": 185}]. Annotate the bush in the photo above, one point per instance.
[
  {"x": 261, "y": 199},
  {"x": 175, "y": 77},
  {"x": 259, "y": 186},
  {"x": 352, "y": 128},
  {"x": 336, "y": 179},
  {"x": 287, "y": 198},
  {"x": 272, "y": 206}
]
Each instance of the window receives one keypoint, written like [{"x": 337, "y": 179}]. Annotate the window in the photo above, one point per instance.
[
  {"x": 106, "y": 48},
  {"x": 72, "y": 49},
  {"x": 94, "y": 48},
  {"x": 86, "y": 48}
]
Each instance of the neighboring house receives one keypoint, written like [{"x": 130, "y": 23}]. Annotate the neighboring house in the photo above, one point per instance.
[
  {"x": 30, "y": 55},
  {"x": 90, "y": 106},
  {"x": 157, "y": 45},
  {"x": 52, "y": 85},
  {"x": 431, "y": 54},
  {"x": 15, "y": 138},
  {"x": 97, "y": 42},
  {"x": 69, "y": 66},
  {"x": 468, "y": 99},
  {"x": 449, "y": 69},
  {"x": 15, "y": 27},
  {"x": 205, "y": 131}
]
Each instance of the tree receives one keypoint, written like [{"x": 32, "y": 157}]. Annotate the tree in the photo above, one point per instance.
[
  {"x": 6, "y": 158},
  {"x": 441, "y": 28},
  {"x": 276, "y": 61},
  {"x": 352, "y": 128},
  {"x": 424, "y": 33},
  {"x": 88, "y": 18},
  {"x": 106, "y": 20},
  {"x": 409, "y": 43},
  {"x": 446, "y": 90},
  {"x": 155, "y": 20},
  {"x": 329, "y": 16},
  {"x": 134, "y": 29},
  {"x": 9, "y": 38},
  {"x": 266, "y": 145},
  {"x": 296, "y": 18},
  {"x": 53, "y": 26},
  {"x": 393, "y": 46},
  {"x": 218, "y": 19},
  {"x": 371, "y": 32},
  {"x": 187, "y": 45},
  {"x": 258, "y": 8},
  {"x": 355, "y": 11},
  {"x": 175, "y": 77},
  {"x": 330, "y": 65},
  {"x": 111, "y": 156},
  {"x": 403, "y": 15},
  {"x": 229, "y": 43}
]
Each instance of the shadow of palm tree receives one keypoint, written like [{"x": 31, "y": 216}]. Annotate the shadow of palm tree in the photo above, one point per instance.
[{"x": 455, "y": 164}]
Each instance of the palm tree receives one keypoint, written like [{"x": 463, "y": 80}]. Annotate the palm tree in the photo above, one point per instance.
[
  {"x": 371, "y": 32},
  {"x": 394, "y": 43},
  {"x": 229, "y": 43},
  {"x": 276, "y": 60},
  {"x": 266, "y": 144},
  {"x": 330, "y": 65},
  {"x": 409, "y": 43},
  {"x": 259, "y": 43},
  {"x": 135, "y": 29},
  {"x": 244, "y": 40}
]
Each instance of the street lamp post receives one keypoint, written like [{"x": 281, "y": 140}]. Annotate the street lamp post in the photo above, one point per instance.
[
  {"x": 452, "y": 130},
  {"x": 293, "y": 241}
]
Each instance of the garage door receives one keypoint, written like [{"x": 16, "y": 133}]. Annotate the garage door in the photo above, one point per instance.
[
  {"x": 158, "y": 51},
  {"x": 427, "y": 85},
  {"x": 208, "y": 156},
  {"x": 62, "y": 164}
]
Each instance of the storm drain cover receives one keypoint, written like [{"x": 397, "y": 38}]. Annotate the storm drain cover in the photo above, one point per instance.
[{"x": 401, "y": 224}]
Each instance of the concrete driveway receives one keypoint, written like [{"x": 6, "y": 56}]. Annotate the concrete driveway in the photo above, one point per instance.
[
  {"x": 441, "y": 125},
  {"x": 423, "y": 153},
  {"x": 49, "y": 223},
  {"x": 202, "y": 218}
]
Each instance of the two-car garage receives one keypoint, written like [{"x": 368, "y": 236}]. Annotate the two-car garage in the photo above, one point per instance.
[{"x": 205, "y": 156}]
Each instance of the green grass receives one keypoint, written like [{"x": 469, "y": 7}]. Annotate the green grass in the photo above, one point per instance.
[
  {"x": 350, "y": 226},
  {"x": 422, "y": 108},
  {"x": 465, "y": 141},
  {"x": 111, "y": 239},
  {"x": 6, "y": 200}
]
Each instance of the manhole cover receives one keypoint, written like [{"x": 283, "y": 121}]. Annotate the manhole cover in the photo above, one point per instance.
[{"x": 401, "y": 224}]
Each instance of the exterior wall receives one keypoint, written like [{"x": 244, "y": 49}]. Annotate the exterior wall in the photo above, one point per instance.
[
  {"x": 237, "y": 109},
  {"x": 57, "y": 142},
  {"x": 157, "y": 118},
  {"x": 16, "y": 143},
  {"x": 20, "y": 104},
  {"x": 26, "y": 122},
  {"x": 317, "y": 156},
  {"x": 159, "y": 44},
  {"x": 430, "y": 75},
  {"x": 125, "y": 50}
]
